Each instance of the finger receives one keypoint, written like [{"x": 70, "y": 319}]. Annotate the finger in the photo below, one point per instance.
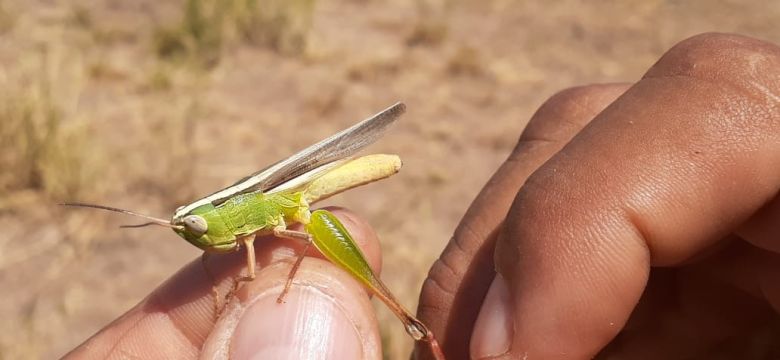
[
  {"x": 175, "y": 320},
  {"x": 680, "y": 160},
  {"x": 458, "y": 281}
]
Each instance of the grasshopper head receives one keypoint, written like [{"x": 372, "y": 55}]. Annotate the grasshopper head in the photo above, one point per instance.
[{"x": 196, "y": 230}]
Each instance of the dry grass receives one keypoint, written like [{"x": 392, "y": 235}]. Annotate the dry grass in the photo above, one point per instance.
[
  {"x": 465, "y": 61},
  {"x": 208, "y": 26},
  {"x": 42, "y": 139},
  {"x": 282, "y": 25},
  {"x": 197, "y": 38},
  {"x": 431, "y": 25},
  {"x": 48, "y": 154}
]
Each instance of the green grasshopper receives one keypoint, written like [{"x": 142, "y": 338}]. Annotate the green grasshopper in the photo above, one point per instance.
[{"x": 267, "y": 201}]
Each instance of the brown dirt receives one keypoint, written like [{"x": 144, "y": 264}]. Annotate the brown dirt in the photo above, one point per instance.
[{"x": 470, "y": 72}]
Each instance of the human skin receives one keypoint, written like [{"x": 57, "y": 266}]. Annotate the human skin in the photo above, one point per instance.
[{"x": 632, "y": 221}]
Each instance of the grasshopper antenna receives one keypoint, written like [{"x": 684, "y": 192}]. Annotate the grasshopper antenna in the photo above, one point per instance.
[
  {"x": 139, "y": 225},
  {"x": 154, "y": 220}
]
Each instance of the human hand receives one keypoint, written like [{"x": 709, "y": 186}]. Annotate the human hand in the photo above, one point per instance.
[
  {"x": 631, "y": 221},
  {"x": 326, "y": 314}
]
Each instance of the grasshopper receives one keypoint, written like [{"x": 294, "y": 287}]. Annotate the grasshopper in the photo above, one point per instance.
[{"x": 267, "y": 201}]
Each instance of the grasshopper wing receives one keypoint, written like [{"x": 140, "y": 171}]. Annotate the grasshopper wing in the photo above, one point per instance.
[{"x": 336, "y": 147}]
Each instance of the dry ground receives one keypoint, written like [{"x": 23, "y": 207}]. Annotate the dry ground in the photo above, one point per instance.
[{"x": 120, "y": 102}]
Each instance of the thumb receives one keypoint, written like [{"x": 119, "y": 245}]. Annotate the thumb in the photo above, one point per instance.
[{"x": 326, "y": 315}]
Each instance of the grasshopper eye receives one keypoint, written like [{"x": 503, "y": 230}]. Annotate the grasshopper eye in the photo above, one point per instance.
[{"x": 195, "y": 224}]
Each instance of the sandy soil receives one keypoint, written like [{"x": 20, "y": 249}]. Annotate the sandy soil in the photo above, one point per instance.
[{"x": 158, "y": 134}]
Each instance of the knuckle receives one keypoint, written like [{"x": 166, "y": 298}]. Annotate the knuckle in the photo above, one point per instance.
[
  {"x": 565, "y": 102},
  {"x": 436, "y": 296},
  {"x": 436, "y": 284},
  {"x": 441, "y": 284},
  {"x": 568, "y": 111},
  {"x": 717, "y": 57},
  {"x": 732, "y": 85},
  {"x": 576, "y": 97},
  {"x": 441, "y": 279}
]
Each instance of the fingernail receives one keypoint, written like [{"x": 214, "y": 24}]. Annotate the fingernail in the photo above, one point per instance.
[
  {"x": 308, "y": 325},
  {"x": 493, "y": 329}
]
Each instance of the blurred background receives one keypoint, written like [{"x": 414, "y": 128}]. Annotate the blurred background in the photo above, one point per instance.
[{"x": 149, "y": 104}]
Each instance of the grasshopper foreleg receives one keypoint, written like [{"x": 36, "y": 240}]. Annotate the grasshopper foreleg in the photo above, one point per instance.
[
  {"x": 249, "y": 246},
  {"x": 214, "y": 290},
  {"x": 283, "y": 233}
]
